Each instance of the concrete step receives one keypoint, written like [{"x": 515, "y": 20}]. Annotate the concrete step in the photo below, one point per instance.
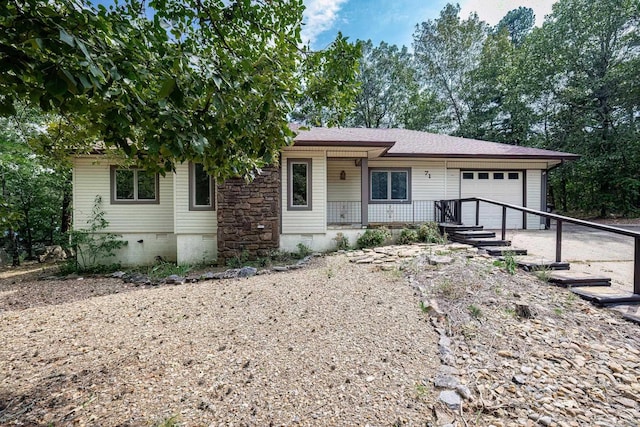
[
  {"x": 571, "y": 279},
  {"x": 606, "y": 296},
  {"x": 530, "y": 263},
  {"x": 485, "y": 242},
  {"x": 503, "y": 250},
  {"x": 474, "y": 234},
  {"x": 450, "y": 228}
]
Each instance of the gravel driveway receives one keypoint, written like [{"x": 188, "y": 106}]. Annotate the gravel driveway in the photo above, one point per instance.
[{"x": 332, "y": 344}]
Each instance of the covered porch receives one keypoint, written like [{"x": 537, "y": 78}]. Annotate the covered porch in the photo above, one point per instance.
[{"x": 359, "y": 195}]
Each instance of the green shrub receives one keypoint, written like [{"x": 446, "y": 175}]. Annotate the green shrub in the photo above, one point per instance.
[
  {"x": 303, "y": 250},
  {"x": 93, "y": 245},
  {"x": 408, "y": 236},
  {"x": 430, "y": 233},
  {"x": 373, "y": 237}
]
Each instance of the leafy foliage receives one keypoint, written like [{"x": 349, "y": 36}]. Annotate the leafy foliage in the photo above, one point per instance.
[
  {"x": 447, "y": 49},
  {"x": 408, "y": 236},
  {"x": 93, "y": 245},
  {"x": 373, "y": 237},
  {"x": 430, "y": 233},
  {"x": 169, "y": 80},
  {"x": 35, "y": 189}
]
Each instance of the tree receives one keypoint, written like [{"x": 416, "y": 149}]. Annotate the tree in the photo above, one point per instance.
[
  {"x": 33, "y": 187},
  {"x": 498, "y": 108},
  {"x": 447, "y": 49},
  {"x": 387, "y": 83},
  {"x": 587, "y": 53},
  {"x": 165, "y": 81},
  {"x": 329, "y": 84},
  {"x": 518, "y": 23}
]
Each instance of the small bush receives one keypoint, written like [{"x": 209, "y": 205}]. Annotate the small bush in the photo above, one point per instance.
[
  {"x": 430, "y": 233},
  {"x": 164, "y": 269},
  {"x": 373, "y": 237},
  {"x": 342, "y": 242},
  {"x": 238, "y": 260},
  {"x": 408, "y": 236},
  {"x": 303, "y": 250}
]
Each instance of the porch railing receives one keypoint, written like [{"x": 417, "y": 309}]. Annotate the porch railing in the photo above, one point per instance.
[{"x": 418, "y": 211}]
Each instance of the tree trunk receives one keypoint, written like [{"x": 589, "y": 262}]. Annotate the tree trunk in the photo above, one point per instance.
[
  {"x": 13, "y": 248},
  {"x": 65, "y": 220}
]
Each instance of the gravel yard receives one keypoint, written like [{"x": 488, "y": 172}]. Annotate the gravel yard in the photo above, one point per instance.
[
  {"x": 332, "y": 344},
  {"x": 396, "y": 336}
]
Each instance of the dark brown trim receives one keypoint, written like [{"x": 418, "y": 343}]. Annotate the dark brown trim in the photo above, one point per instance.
[
  {"x": 344, "y": 144},
  {"x": 389, "y": 202},
  {"x": 192, "y": 194},
  {"x": 112, "y": 189},
  {"x": 364, "y": 191},
  {"x": 290, "y": 206},
  {"x": 473, "y": 157}
]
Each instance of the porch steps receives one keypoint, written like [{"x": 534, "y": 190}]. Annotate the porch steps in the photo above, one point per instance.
[
  {"x": 484, "y": 242},
  {"x": 473, "y": 234},
  {"x": 606, "y": 296},
  {"x": 450, "y": 228},
  {"x": 536, "y": 264},
  {"x": 502, "y": 250},
  {"x": 572, "y": 279}
]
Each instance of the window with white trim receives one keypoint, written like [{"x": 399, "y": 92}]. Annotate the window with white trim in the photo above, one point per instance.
[
  {"x": 299, "y": 184},
  {"x": 389, "y": 185},
  {"x": 201, "y": 189},
  {"x": 132, "y": 185}
]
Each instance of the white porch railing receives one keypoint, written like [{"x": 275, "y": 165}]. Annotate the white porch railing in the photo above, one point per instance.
[{"x": 417, "y": 211}]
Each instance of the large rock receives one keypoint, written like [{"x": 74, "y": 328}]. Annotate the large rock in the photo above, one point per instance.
[{"x": 53, "y": 254}]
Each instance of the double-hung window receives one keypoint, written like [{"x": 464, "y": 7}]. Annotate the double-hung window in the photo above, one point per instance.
[
  {"x": 389, "y": 185},
  {"x": 299, "y": 184},
  {"x": 135, "y": 186},
  {"x": 201, "y": 189}
]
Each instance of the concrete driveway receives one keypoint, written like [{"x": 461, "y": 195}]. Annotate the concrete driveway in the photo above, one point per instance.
[{"x": 588, "y": 250}]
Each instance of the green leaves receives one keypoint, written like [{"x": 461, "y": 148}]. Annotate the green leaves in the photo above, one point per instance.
[{"x": 211, "y": 81}]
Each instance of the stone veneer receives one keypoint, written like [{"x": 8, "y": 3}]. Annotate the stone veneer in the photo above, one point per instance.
[{"x": 249, "y": 216}]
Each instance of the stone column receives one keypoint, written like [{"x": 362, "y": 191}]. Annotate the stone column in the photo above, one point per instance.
[{"x": 249, "y": 216}]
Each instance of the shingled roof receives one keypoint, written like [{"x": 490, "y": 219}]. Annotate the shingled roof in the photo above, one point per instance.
[{"x": 411, "y": 143}]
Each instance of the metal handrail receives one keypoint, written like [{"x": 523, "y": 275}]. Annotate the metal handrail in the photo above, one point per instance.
[{"x": 560, "y": 219}]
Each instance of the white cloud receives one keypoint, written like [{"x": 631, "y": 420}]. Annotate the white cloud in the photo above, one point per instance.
[
  {"x": 319, "y": 16},
  {"x": 492, "y": 11}
]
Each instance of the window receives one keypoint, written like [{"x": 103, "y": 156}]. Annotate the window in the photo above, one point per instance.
[
  {"x": 133, "y": 186},
  {"x": 201, "y": 189},
  {"x": 483, "y": 175},
  {"x": 299, "y": 184},
  {"x": 514, "y": 175},
  {"x": 389, "y": 185},
  {"x": 467, "y": 175},
  {"x": 498, "y": 175}
]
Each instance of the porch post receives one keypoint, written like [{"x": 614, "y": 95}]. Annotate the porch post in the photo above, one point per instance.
[{"x": 364, "y": 194}]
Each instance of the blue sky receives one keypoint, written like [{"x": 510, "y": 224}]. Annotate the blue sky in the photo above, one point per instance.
[{"x": 394, "y": 21}]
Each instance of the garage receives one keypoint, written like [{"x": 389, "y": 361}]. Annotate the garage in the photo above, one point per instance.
[{"x": 501, "y": 185}]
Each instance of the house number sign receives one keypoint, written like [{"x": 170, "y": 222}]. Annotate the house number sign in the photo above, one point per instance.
[{"x": 427, "y": 174}]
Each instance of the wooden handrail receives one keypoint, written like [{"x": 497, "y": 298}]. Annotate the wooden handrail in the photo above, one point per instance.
[{"x": 560, "y": 220}]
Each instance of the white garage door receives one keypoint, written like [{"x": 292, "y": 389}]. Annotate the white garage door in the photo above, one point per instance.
[{"x": 503, "y": 186}]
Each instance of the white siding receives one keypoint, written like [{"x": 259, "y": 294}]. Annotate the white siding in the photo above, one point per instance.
[
  {"x": 453, "y": 184},
  {"x": 306, "y": 221},
  {"x": 91, "y": 177},
  {"x": 186, "y": 221},
  {"x": 339, "y": 190},
  {"x": 534, "y": 197}
]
